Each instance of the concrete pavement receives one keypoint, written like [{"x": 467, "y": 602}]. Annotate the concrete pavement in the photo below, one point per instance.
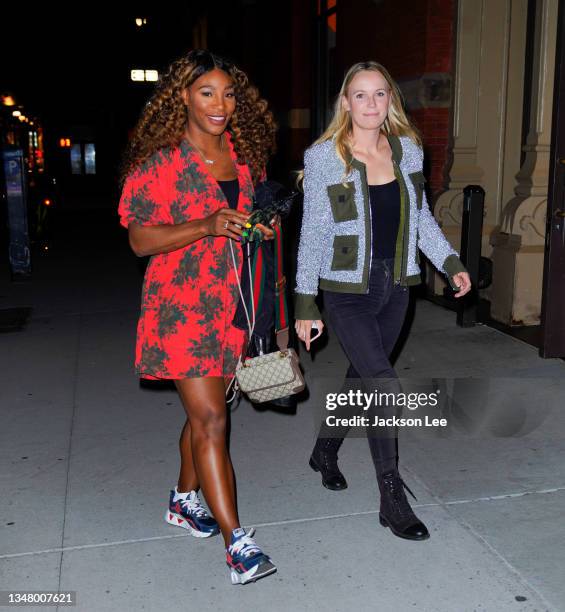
[{"x": 88, "y": 457}]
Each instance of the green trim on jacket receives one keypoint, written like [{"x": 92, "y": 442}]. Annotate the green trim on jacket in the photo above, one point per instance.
[{"x": 305, "y": 307}]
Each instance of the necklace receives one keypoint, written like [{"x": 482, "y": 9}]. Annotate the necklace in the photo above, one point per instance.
[{"x": 206, "y": 160}]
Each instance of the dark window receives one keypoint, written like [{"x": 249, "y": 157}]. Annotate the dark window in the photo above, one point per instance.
[{"x": 326, "y": 83}]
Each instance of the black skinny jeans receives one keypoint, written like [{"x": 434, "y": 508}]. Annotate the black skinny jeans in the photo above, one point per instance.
[{"x": 367, "y": 327}]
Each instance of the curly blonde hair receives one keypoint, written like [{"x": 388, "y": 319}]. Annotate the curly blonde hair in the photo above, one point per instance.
[{"x": 164, "y": 118}]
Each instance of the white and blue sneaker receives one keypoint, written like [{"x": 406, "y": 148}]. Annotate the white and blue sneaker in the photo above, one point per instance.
[
  {"x": 186, "y": 511},
  {"x": 246, "y": 560}
]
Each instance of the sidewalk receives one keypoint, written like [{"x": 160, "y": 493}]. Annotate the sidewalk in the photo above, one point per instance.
[{"x": 88, "y": 457}]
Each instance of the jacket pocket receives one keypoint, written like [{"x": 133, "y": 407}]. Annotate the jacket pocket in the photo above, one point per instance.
[
  {"x": 346, "y": 249},
  {"x": 419, "y": 181},
  {"x": 342, "y": 201}
]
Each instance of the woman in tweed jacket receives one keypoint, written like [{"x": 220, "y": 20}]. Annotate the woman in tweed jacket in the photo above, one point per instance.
[{"x": 365, "y": 219}]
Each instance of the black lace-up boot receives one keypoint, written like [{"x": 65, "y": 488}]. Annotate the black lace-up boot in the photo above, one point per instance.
[
  {"x": 324, "y": 460},
  {"x": 395, "y": 511}
]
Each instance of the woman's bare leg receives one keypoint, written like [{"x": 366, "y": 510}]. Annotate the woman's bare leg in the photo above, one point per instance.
[
  {"x": 205, "y": 406},
  {"x": 188, "y": 479}
]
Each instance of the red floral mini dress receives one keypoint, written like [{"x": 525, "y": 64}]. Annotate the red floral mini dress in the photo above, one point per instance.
[{"x": 189, "y": 295}]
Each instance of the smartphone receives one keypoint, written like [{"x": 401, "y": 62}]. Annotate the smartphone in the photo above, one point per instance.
[{"x": 314, "y": 329}]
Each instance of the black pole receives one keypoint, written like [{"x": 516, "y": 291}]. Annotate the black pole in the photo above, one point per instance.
[
  {"x": 471, "y": 236},
  {"x": 15, "y": 183}
]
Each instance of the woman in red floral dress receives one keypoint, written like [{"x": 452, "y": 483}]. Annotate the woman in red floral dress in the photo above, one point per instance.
[{"x": 201, "y": 143}]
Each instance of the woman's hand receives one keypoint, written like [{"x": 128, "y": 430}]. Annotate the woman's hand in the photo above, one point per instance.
[
  {"x": 304, "y": 329},
  {"x": 463, "y": 281},
  {"x": 261, "y": 232},
  {"x": 225, "y": 222},
  {"x": 267, "y": 232}
]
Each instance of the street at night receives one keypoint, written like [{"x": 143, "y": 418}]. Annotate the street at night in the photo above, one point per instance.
[
  {"x": 88, "y": 456},
  {"x": 345, "y": 213}
]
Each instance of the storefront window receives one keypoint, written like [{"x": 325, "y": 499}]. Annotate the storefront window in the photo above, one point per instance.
[
  {"x": 76, "y": 159},
  {"x": 90, "y": 158},
  {"x": 83, "y": 158}
]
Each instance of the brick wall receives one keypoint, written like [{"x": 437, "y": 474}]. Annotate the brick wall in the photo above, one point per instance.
[
  {"x": 411, "y": 38},
  {"x": 435, "y": 122}
]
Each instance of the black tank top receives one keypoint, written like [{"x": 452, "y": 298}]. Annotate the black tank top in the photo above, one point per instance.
[
  {"x": 231, "y": 191},
  {"x": 385, "y": 218}
]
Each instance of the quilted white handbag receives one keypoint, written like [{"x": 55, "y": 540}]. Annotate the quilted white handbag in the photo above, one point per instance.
[
  {"x": 268, "y": 376},
  {"x": 273, "y": 375}
]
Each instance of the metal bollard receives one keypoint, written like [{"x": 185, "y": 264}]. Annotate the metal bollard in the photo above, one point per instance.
[{"x": 471, "y": 236}]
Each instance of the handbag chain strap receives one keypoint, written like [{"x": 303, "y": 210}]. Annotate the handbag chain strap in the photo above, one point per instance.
[
  {"x": 250, "y": 319},
  {"x": 281, "y": 307}
]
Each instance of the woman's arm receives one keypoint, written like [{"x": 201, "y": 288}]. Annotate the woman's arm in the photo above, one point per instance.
[
  {"x": 437, "y": 249},
  {"x": 153, "y": 239},
  {"x": 433, "y": 243},
  {"x": 311, "y": 243}
]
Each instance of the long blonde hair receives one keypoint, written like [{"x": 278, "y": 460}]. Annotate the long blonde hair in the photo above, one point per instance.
[{"x": 341, "y": 126}]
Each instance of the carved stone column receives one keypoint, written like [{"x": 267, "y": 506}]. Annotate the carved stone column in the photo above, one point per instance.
[
  {"x": 491, "y": 37},
  {"x": 518, "y": 245}
]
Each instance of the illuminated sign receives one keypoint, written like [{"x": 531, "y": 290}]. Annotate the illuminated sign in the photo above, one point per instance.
[{"x": 140, "y": 75}]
